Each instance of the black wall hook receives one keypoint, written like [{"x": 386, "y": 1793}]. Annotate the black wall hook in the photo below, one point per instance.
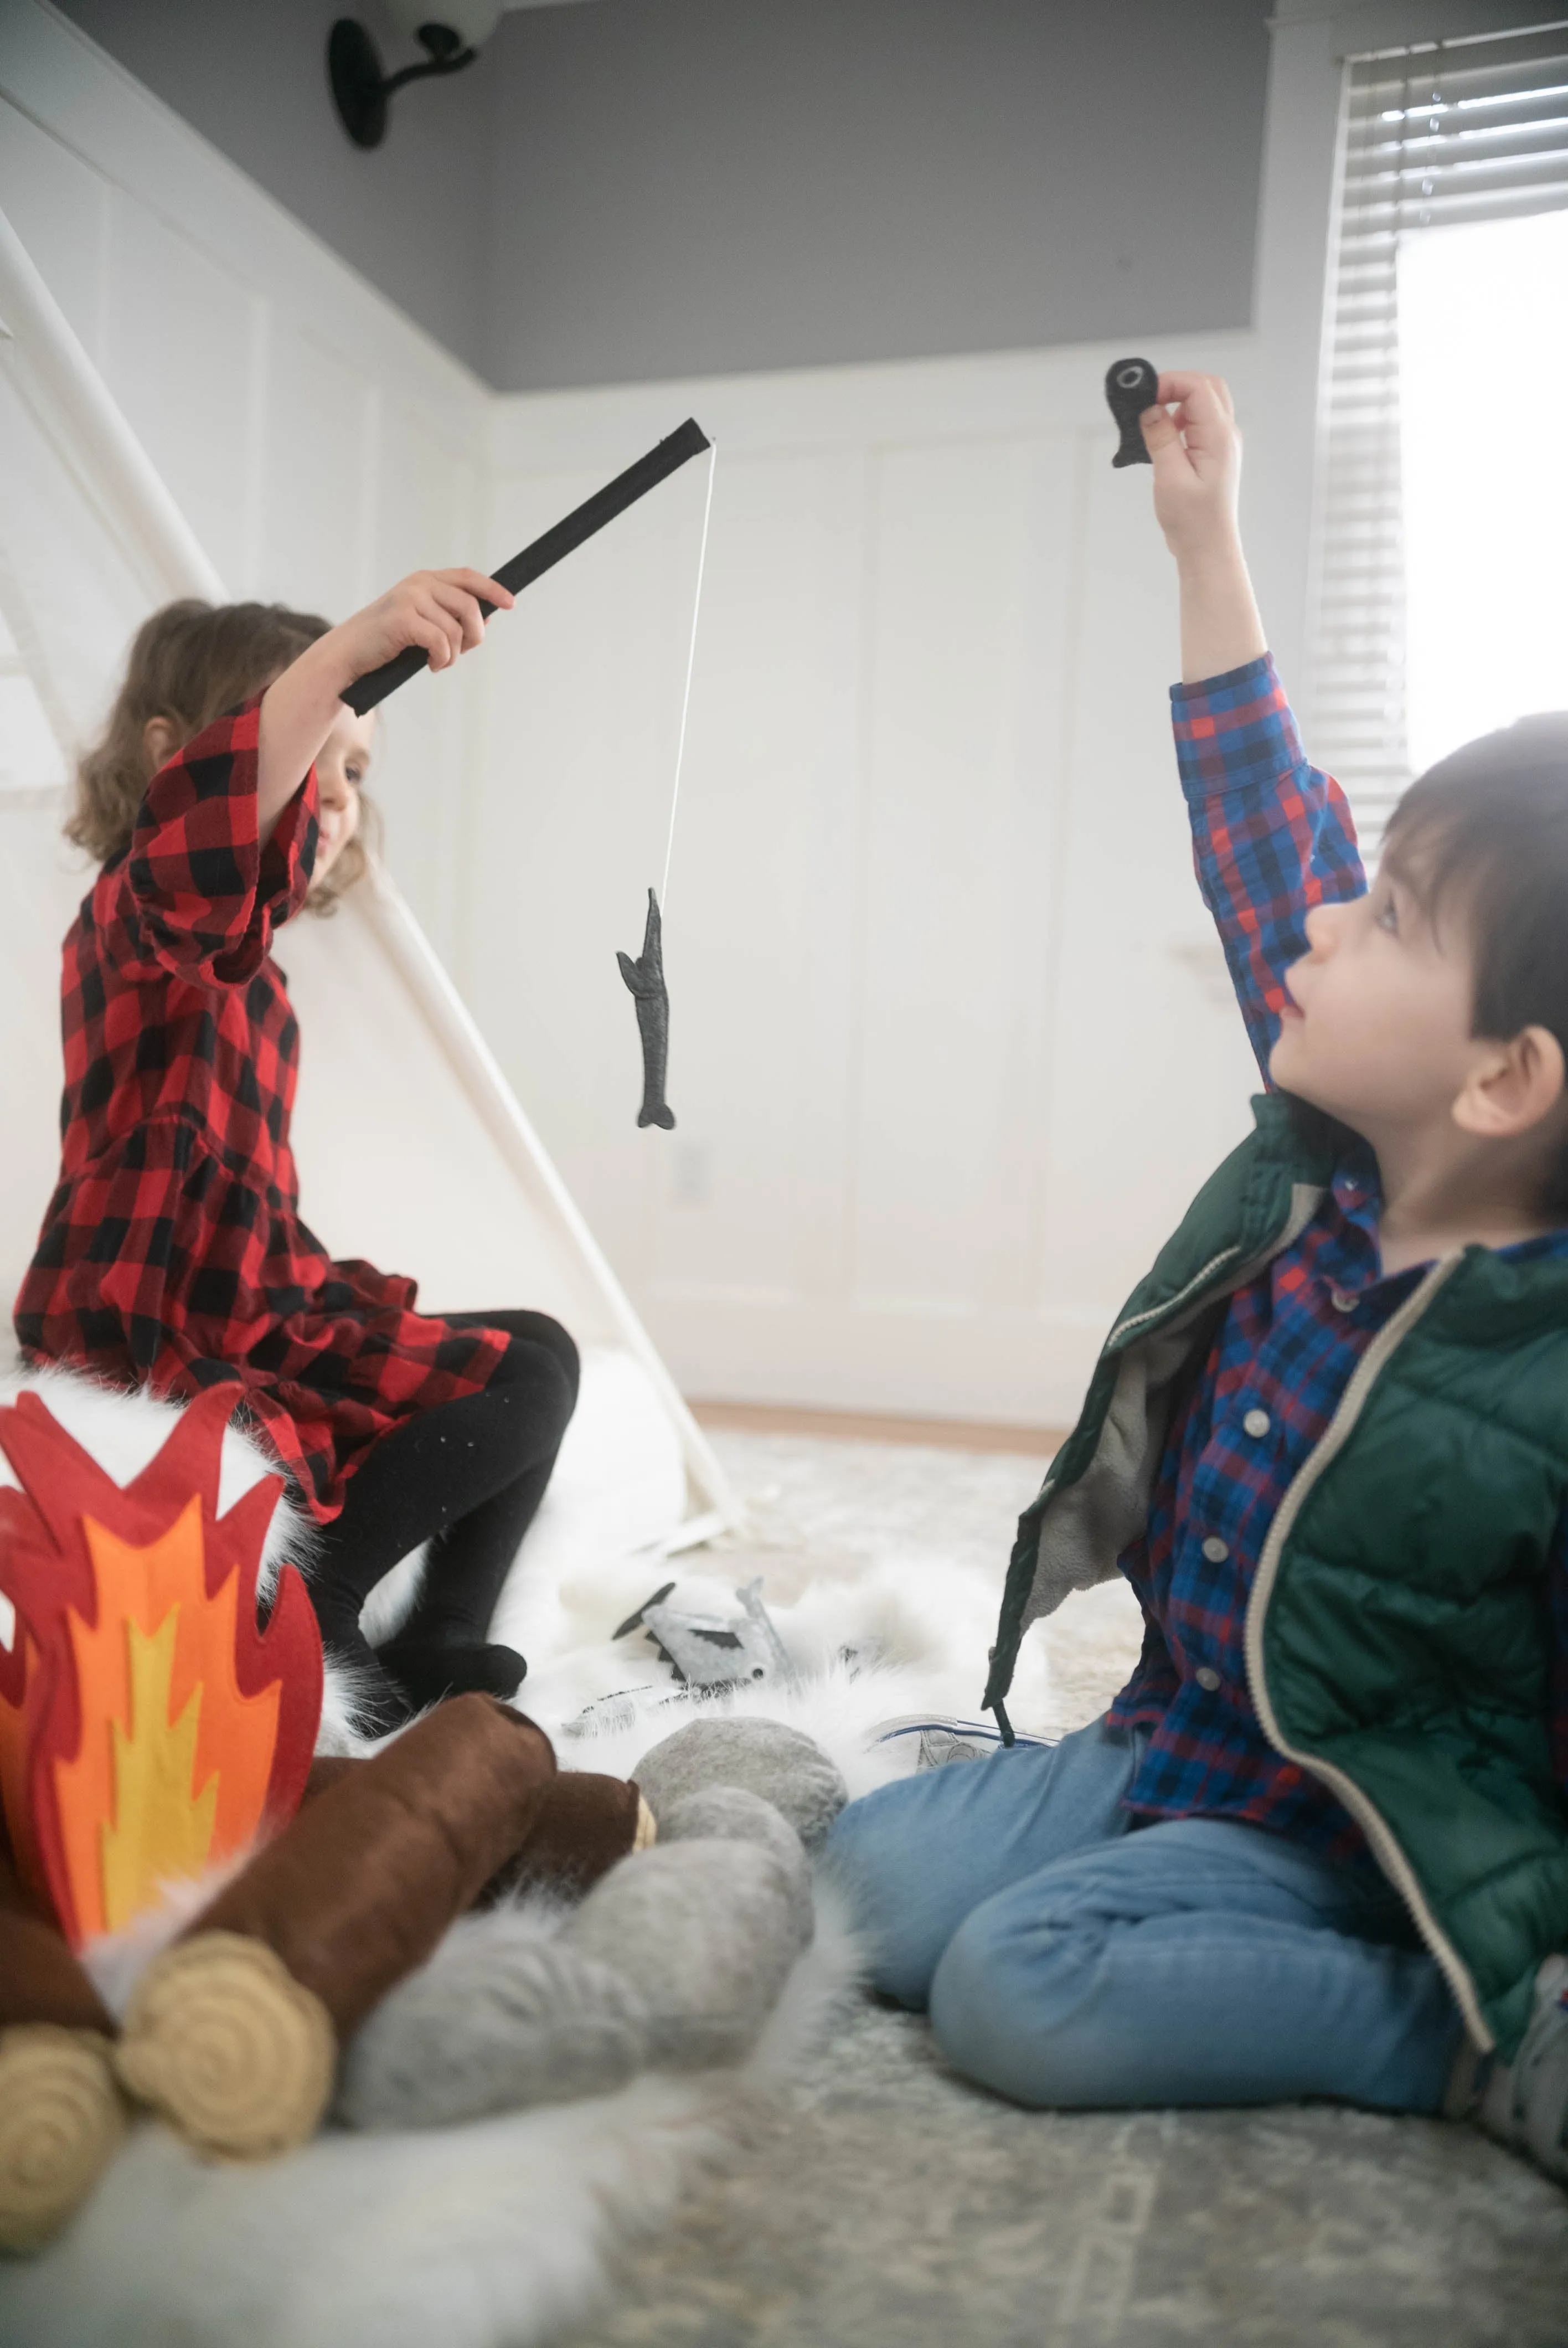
[{"x": 360, "y": 90}]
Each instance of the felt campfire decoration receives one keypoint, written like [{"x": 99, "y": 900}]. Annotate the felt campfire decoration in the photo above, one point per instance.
[{"x": 150, "y": 1729}]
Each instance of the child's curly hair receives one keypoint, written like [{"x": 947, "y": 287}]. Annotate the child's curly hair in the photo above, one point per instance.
[{"x": 188, "y": 664}]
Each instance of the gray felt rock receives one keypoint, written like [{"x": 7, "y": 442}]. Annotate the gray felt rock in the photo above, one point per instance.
[
  {"x": 764, "y": 1757},
  {"x": 705, "y": 1934},
  {"x": 502, "y": 2017},
  {"x": 730, "y": 1814}
]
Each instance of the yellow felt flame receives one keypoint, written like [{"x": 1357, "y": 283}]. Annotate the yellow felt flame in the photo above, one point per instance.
[
  {"x": 172, "y": 1768},
  {"x": 161, "y": 1829}
]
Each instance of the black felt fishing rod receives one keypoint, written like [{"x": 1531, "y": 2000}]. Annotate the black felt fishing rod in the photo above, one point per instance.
[{"x": 686, "y": 441}]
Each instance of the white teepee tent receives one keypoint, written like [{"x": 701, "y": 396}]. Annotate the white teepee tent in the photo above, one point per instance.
[{"x": 413, "y": 1151}]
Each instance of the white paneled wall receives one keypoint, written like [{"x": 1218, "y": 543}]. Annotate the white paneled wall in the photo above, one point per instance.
[
  {"x": 952, "y": 1040},
  {"x": 318, "y": 443}
]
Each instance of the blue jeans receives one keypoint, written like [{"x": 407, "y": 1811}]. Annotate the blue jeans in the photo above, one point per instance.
[{"x": 1069, "y": 1955}]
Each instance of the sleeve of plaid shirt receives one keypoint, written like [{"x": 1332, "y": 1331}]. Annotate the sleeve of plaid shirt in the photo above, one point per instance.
[
  {"x": 1272, "y": 837},
  {"x": 205, "y": 892}
]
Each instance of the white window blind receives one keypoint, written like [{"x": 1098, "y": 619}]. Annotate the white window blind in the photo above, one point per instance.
[{"x": 1444, "y": 133}]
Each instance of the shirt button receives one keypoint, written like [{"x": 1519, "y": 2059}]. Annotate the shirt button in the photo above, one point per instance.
[
  {"x": 1206, "y": 1677},
  {"x": 1256, "y": 1422},
  {"x": 1342, "y": 1301},
  {"x": 1216, "y": 1549}
]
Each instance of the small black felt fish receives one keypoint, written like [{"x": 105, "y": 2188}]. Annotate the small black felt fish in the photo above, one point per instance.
[
  {"x": 645, "y": 977},
  {"x": 1131, "y": 386}
]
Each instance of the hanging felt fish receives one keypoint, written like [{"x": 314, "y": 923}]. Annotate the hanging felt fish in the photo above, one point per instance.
[{"x": 645, "y": 977}]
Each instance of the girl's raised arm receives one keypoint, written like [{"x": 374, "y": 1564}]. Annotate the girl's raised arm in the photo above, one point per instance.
[{"x": 437, "y": 610}]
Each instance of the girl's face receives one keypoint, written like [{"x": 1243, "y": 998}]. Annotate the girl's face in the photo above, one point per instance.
[{"x": 341, "y": 765}]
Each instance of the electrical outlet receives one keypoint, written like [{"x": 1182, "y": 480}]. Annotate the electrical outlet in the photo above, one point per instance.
[{"x": 690, "y": 1174}]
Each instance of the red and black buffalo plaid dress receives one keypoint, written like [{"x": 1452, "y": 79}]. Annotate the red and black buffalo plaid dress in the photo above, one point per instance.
[{"x": 172, "y": 1253}]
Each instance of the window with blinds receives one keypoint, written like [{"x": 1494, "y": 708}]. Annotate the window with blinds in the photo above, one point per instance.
[{"x": 1445, "y": 133}]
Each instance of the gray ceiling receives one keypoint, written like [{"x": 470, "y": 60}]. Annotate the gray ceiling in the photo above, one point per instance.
[{"x": 645, "y": 188}]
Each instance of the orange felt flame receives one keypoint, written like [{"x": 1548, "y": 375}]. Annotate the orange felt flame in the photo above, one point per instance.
[
  {"x": 148, "y": 1726},
  {"x": 174, "y": 1759}
]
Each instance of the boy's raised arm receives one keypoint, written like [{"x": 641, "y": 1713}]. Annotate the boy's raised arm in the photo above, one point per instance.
[
  {"x": 1272, "y": 837},
  {"x": 1196, "y": 457}
]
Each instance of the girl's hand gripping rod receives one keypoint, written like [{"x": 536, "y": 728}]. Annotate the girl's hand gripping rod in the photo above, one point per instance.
[{"x": 688, "y": 440}]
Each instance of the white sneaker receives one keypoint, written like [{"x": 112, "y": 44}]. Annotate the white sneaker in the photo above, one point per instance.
[{"x": 1524, "y": 2103}]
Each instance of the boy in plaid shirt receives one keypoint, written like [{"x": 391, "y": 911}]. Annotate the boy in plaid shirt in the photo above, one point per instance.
[{"x": 1317, "y": 1846}]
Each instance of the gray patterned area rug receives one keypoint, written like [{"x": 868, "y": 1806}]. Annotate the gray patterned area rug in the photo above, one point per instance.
[{"x": 886, "y": 2204}]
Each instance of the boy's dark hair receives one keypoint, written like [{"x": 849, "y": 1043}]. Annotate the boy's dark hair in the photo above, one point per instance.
[
  {"x": 1488, "y": 826},
  {"x": 188, "y": 664}
]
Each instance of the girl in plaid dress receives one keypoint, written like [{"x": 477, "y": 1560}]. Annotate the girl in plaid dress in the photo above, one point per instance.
[{"x": 225, "y": 796}]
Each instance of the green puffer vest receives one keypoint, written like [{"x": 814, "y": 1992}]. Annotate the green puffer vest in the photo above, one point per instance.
[{"x": 1396, "y": 1635}]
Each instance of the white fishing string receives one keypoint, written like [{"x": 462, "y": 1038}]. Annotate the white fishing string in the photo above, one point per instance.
[{"x": 691, "y": 666}]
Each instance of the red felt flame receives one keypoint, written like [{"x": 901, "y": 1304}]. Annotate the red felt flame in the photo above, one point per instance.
[{"x": 74, "y": 1553}]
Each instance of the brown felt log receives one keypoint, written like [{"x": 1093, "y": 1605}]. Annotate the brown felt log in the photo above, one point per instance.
[
  {"x": 326, "y": 1770},
  {"x": 362, "y": 1884},
  {"x": 221, "y": 2038},
  {"x": 61, "y": 2118},
  {"x": 585, "y": 1823},
  {"x": 40, "y": 1980},
  {"x": 61, "y": 2123},
  {"x": 232, "y": 2032}
]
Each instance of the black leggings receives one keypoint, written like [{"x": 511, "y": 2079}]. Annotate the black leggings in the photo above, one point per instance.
[{"x": 467, "y": 1477}]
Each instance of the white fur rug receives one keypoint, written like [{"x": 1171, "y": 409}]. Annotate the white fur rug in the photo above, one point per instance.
[
  {"x": 498, "y": 2235},
  {"x": 502, "y": 2234}
]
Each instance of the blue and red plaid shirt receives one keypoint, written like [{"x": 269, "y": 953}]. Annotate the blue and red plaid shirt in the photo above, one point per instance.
[{"x": 1271, "y": 838}]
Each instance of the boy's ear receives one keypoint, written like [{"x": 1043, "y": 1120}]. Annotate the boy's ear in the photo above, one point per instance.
[{"x": 1513, "y": 1086}]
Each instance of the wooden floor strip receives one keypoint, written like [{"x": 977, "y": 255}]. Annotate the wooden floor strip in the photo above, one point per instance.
[{"x": 879, "y": 1427}]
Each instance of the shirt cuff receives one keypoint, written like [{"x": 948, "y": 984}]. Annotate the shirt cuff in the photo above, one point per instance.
[
  {"x": 1235, "y": 732},
  {"x": 1244, "y": 684},
  {"x": 288, "y": 859}
]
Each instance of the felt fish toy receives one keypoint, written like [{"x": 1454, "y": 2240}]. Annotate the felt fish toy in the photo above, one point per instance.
[
  {"x": 645, "y": 977},
  {"x": 1131, "y": 386},
  {"x": 711, "y": 1650}
]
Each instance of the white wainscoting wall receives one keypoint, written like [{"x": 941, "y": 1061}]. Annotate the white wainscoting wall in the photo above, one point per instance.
[
  {"x": 318, "y": 443},
  {"x": 952, "y": 1041}
]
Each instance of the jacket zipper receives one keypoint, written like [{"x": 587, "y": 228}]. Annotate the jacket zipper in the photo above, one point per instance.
[
  {"x": 1175, "y": 1303},
  {"x": 1304, "y": 1200},
  {"x": 1390, "y": 1856}
]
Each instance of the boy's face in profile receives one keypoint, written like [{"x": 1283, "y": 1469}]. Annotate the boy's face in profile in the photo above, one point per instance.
[{"x": 1376, "y": 1031}]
